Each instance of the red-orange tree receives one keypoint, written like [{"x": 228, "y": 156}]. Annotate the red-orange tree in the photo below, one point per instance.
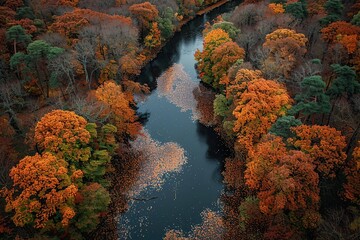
[
  {"x": 145, "y": 12},
  {"x": 324, "y": 144},
  {"x": 343, "y": 33},
  {"x": 285, "y": 180}
]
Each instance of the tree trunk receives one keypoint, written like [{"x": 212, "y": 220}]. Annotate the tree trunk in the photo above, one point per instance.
[
  {"x": 15, "y": 46},
  {"x": 331, "y": 112},
  {"x": 353, "y": 141}
]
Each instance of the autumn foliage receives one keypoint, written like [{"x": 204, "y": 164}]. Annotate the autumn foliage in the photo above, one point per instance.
[{"x": 286, "y": 47}]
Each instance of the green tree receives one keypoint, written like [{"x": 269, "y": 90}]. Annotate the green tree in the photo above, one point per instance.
[
  {"x": 221, "y": 106},
  {"x": 39, "y": 54},
  {"x": 356, "y": 19},
  {"x": 334, "y": 9},
  {"x": 283, "y": 125},
  {"x": 24, "y": 12},
  {"x": 344, "y": 84},
  {"x": 227, "y": 27},
  {"x": 298, "y": 10},
  {"x": 17, "y": 35},
  {"x": 312, "y": 98}
]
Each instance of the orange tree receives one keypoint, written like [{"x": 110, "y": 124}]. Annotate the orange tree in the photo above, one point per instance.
[
  {"x": 284, "y": 180},
  {"x": 286, "y": 47},
  {"x": 259, "y": 103}
]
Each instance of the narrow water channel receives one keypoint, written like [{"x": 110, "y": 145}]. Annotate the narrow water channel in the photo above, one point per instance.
[{"x": 195, "y": 185}]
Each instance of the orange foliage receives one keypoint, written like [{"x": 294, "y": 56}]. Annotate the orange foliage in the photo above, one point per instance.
[
  {"x": 153, "y": 39},
  {"x": 145, "y": 12},
  {"x": 343, "y": 33},
  {"x": 26, "y": 23},
  {"x": 285, "y": 48},
  {"x": 223, "y": 57},
  {"x": 276, "y": 7},
  {"x": 70, "y": 23},
  {"x": 130, "y": 64},
  {"x": 286, "y": 180},
  {"x": 324, "y": 144},
  {"x": 352, "y": 186},
  {"x": 259, "y": 104},
  {"x": 42, "y": 188},
  {"x": 13, "y": 4},
  {"x": 234, "y": 87},
  {"x": 6, "y": 15},
  {"x": 119, "y": 109},
  {"x": 64, "y": 134}
]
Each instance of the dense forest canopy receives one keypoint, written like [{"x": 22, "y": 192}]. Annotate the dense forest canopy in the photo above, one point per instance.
[{"x": 287, "y": 103}]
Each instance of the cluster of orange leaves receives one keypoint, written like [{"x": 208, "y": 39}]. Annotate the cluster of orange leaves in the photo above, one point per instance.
[
  {"x": 285, "y": 180},
  {"x": 46, "y": 187},
  {"x": 145, "y": 12},
  {"x": 257, "y": 106},
  {"x": 343, "y": 33},
  {"x": 276, "y": 7},
  {"x": 70, "y": 23},
  {"x": 325, "y": 145},
  {"x": 64, "y": 134},
  {"x": 285, "y": 48},
  {"x": 119, "y": 109}
]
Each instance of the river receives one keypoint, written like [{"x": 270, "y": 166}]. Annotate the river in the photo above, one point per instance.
[{"x": 191, "y": 182}]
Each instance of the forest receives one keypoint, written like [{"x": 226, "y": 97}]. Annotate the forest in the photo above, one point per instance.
[{"x": 275, "y": 83}]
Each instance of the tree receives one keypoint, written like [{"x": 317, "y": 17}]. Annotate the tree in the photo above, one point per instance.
[
  {"x": 286, "y": 47},
  {"x": 356, "y": 19},
  {"x": 285, "y": 180},
  {"x": 17, "y": 35},
  {"x": 39, "y": 54},
  {"x": 312, "y": 98},
  {"x": 344, "y": 84},
  {"x": 227, "y": 27},
  {"x": 43, "y": 188},
  {"x": 64, "y": 134},
  {"x": 297, "y": 9},
  {"x": 212, "y": 40},
  {"x": 283, "y": 125},
  {"x": 119, "y": 109},
  {"x": 145, "y": 12},
  {"x": 222, "y": 58},
  {"x": 334, "y": 10},
  {"x": 324, "y": 144},
  {"x": 153, "y": 39},
  {"x": 343, "y": 33},
  {"x": 257, "y": 108}
]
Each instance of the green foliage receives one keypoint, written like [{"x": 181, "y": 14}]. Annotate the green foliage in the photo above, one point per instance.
[
  {"x": 228, "y": 127},
  {"x": 17, "y": 59},
  {"x": 356, "y": 19},
  {"x": 17, "y": 34},
  {"x": 298, "y": 10},
  {"x": 24, "y": 12},
  {"x": 166, "y": 27},
  {"x": 41, "y": 49},
  {"x": 334, "y": 9},
  {"x": 282, "y": 126},
  {"x": 221, "y": 105},
  {"x": 91, "y": 128},
  {"x": 96, "y": 199},
  {"x": 312, "y": 98},
  {"x": 227, "y": 27},
  {"x": 344, "y": 83}
]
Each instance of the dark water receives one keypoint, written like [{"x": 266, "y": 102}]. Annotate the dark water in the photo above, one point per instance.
[{"x": 184, "y": 194}]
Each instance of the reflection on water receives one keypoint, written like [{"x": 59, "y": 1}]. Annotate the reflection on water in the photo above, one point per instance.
[{"x": 160, "y": 160}]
